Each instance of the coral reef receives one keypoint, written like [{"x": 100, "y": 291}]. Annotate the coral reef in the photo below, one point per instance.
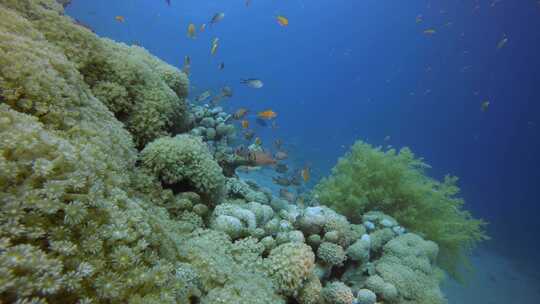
[
  {"x": 87, "y": 218},
  {"x": 241, "y": 220},
  {"x": 184, "y": 158},
  {"x": 289, "y": 265},
  {"x": 393, "y": 182},
  {"x": 337, "y": 293},
  {"x": 144, "y": 93}
]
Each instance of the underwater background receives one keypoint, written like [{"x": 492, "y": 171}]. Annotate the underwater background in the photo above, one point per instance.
[
  {"x": 455, "y": 81},
  {"x": 344, "y": 70}
]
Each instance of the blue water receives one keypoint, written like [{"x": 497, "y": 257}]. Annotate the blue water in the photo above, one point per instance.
[{"x": 346, "y": 69}]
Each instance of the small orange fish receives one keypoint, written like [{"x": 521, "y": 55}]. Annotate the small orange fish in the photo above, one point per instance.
[
  {"x": 245, "y": 124},
  {"x": 240, "y": 113},
  {"x": 120, "y": 19},
  {"x": 283, "y": 21},
  {"x": 191, "y": 31},
  {"x": 429, "y": 32},
  {"x": 268, "y": 114},
  {"x": 305, "y": 174}
]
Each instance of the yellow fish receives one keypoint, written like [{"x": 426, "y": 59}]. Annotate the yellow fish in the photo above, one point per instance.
[
  {"x": 283, "y": 21},
  {"x": 258, "y": 141},
  {"x": 268, "y": 114},
  {"x": 245, "y": 124},
  {"x": 191, "y": 31},
  {"x": 429, "y": 32},
  {"x": 120, "y": 19},
  {"x": 305, "y": 174}
]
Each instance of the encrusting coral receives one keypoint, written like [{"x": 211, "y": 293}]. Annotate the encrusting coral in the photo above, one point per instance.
[{"x": 87, "y": 218}]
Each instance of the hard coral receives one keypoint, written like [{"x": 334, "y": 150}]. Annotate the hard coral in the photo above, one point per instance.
[
  {"x": 311, "y": 291},
  {"x": 393, "y": 182},
  {"x": 331, "y": 254},
  {"x": 229, "y": 273},
  {"x": 184, "y": 159},
  {"x": 146, "y": 94},
  {"x": 73, "y": 225},
  {"x": 69, "y": 230},
  {"x": 289, "y": 265},
  {"x": 408, "y": 264},
  {"x": 337, "y": 293}
]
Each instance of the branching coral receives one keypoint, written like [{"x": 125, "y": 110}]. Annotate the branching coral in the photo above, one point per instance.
[{"x": 369, "y": 178}]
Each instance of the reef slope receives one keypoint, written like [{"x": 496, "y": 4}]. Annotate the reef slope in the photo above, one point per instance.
[{"x": 87, "y": 218}]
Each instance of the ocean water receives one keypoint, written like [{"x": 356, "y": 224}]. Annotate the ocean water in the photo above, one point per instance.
[{"x": 344, "y": 70}]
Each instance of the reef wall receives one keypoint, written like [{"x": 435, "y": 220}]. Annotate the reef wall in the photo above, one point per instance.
[{"x": 87, "y": 218}]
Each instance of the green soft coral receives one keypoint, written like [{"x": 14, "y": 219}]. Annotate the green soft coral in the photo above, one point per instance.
[{"x": 393, "y": 182}]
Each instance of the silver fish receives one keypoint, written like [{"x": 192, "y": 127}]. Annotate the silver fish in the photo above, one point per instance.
[
  {"x": 226, "y": 91},
  {"x": 217, "y": 18},
  {"x": 204, "y": 95},
  {"x": 252, "y": 83}
]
